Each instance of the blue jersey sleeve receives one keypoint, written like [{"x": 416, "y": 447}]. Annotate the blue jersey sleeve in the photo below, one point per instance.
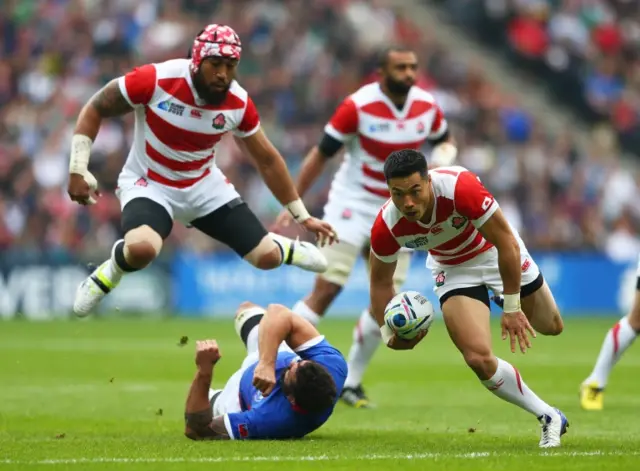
[{"x": 258, "y": 424}]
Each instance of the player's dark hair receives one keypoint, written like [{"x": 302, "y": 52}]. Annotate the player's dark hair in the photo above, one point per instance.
[
  {"x": 403, "y": 163},
  {"x": 383, "y": 55},
  {"x": 313, "y": 388}
]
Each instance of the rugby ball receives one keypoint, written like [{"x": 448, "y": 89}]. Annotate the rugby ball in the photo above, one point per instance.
[{"x": 408, "y": 314}]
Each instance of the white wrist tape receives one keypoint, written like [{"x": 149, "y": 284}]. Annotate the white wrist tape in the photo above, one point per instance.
[
  {"x": 511, "y": 303},
  {"x": 386, "y": 333},
  {"x": 80, "y": 153},
  {"x": 298, "y": 210},
  {"x": 444, "y": 154}
]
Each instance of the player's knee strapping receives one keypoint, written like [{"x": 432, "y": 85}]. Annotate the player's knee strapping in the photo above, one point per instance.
[
  {"x": 140, "y": 247},
  {"x": 248, "y": 326}
]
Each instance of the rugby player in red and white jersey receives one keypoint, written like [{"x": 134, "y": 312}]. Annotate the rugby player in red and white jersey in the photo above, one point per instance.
[
  {"x": 472, "y": 248},
  {"x": 377, "y": 119},
  {"x": 183, "y": 107},
  {"x": 618, "y": 339}
]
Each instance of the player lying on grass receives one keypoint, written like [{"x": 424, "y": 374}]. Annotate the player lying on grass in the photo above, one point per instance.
[
  {"x": 472, "y": 248},
  {"x": 286, "y": 387},
  {"x": 618, "y": 339}
]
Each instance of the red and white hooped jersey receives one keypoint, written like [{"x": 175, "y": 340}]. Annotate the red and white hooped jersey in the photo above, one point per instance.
[
  {"x": 463, "y": 205},
  {"x": 176, "y": 133},
  {"x": 371, "y": 127}
]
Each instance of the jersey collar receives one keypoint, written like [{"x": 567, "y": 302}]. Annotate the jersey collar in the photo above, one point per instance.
[{"x": 398, "y": 114}]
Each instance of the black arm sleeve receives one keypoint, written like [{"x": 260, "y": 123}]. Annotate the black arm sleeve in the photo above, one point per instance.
[
  {"x": 329, "y": 146},
  {"x": 439, "y": 140}
]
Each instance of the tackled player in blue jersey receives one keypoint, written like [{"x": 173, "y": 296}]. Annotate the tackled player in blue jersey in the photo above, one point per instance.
[{"x": 286, "y": 387}]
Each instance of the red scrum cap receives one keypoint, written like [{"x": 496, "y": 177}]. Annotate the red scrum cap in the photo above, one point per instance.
[{"x": 215, "y": 41}]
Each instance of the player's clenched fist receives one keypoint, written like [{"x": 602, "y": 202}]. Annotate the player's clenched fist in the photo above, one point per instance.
[
  {"x": 207, "y": 353},
  {"x": 83, "y": 189},
  {"x": 264, "y": 378}
]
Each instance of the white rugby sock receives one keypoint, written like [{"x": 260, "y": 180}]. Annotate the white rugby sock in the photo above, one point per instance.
[
  {"x": 366, "y": 338},
  {"x": 507, "y": 384},
  {"x": 112, "y": 271},
  {"x": 252, "y": 340},
  {"x": 284, "y": 244},
  {"x": 618, "y": 339},
  {"x": 305, "y": 311}
]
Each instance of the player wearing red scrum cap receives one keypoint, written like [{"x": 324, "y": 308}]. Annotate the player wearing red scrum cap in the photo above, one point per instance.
[{"x": 183, "y": 107}]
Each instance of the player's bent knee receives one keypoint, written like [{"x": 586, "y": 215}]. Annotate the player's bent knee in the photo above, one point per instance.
[
  {"x": 244, "y": 305},
  {"x": 557, "y": 325},
  {"x": 141, "y": 246},
  {"x": 482, "y": 363},
  {"x": 553, "y": 324},
  {"x": 266, "y": 256}
]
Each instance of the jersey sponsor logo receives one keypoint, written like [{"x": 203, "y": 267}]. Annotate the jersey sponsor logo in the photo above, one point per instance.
[
  {"x": 380, "y": 127},
  {"x": 195, "y": 114},
  {"x": 400, "y": 125},
  {"x": 243, "y": 431},
  {"x": 141, "y": 182},
  {"x": 436, "y": 230},
  {"x": 526, "y": 265},
  {"x": 219, "y": 121},
  {"x": 347, "y": 214},
  {"x": 421, "y": 127},
  {"x": 440, "y": 279},
  {"x": 458, "y": 221},
  {"x": 257, "y": 396},
  {"x": 171, "y": 107},
  {"x": 417, "y": 242}
]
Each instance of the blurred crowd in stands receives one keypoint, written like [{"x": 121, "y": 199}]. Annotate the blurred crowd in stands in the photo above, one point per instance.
[
  {"x": 587, "y": 51},
  {"x": 300, "y": 58}
]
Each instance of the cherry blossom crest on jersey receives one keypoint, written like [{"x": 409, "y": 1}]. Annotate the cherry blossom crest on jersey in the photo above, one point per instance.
[{"x": 215, "y": 41}]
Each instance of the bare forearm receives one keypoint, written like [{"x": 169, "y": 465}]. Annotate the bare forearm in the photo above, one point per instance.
[
  {"x": 509, "y": 266},
  {"x": 276, "y": 176},
  {"x": 275, "y": 328},
  {"x": 381, "y": 294},
  {"x": 108, "y": 102},
  {"x": 312, "y": 168},
  {"x": 197, "y": 412}
]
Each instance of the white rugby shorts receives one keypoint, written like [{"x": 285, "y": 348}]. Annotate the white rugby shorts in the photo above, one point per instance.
[
  {"x": 182, "y": 204},
  {"x": 479, "y": 271}
]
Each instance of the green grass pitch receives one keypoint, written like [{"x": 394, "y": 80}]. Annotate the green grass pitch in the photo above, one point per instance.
[{"x": 109, "y": 394}]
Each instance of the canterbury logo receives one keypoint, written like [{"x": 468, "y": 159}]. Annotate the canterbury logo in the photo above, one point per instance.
[{"x": 497, "y": 386}]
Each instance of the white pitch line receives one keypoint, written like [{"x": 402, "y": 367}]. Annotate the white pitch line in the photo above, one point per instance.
[{"x": 274, "y": 459}]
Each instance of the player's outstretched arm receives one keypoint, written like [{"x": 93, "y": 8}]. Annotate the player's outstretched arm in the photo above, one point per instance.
[
  {"x": 275, "y": 174},
  {"x": 272, "y": 167},
  {"x": 497, "y": 231},
  {"x": 381, "y": 288},
  {"x": 198, "y": 416},
  {"x": 108, "y": 102},
  {"x": 514, "y": 323}
]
